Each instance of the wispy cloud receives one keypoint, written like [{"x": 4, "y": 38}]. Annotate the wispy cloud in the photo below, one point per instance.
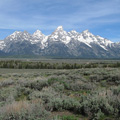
[
  {"x": 48, "y": 14},
  {"x": 87, "y": 11}
]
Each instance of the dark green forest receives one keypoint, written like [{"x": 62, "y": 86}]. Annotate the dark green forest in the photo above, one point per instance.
[{"x": 20, "y": 64}]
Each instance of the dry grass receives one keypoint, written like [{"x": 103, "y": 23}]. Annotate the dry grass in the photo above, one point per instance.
[
  {"x": 35, "y": 101},
  {"x": 16, "y": 107}
]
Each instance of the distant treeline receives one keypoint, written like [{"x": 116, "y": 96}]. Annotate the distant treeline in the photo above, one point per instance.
[{"x": 17, "y": 64}]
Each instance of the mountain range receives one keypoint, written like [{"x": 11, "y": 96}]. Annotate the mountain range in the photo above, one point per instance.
[{"x": 59, "y": 44}]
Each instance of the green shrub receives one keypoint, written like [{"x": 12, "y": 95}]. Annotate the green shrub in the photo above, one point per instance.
[
  {"x": 69, "y": 117},
  {"x": 116, "y": 91},
  {"x": 6, "y": 93},
  {"x": 7, "y": 82},
  {"x": 22, "y": 93},
  {"x": 37, "y": 84}
]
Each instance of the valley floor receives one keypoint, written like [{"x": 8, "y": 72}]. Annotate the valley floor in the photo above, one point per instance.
[{"x": 60, "y": 94}]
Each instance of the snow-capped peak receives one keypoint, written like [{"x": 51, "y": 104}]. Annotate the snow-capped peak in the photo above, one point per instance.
[
  {"x": 86, "y": 31},
  {"x": 86, "y": 37},
  {"x": 60, "y": 35},
  {"x": 38, "y": 34},
  {"x": 59, "y": 28},
  {"x": 13, "y": 36},
  {"x": 73, "y": 31},
  {"x": 38, "y": 38},
  {"x": 73, "y": 34},
  {"x": 15, "y": 33},
  {"x": 59, "y": 32},
  {"x": 18, "y": 36},
  {"x": 26, "y": 34}
]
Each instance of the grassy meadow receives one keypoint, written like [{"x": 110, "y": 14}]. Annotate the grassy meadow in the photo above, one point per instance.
[{"x": 59, "y": 89}]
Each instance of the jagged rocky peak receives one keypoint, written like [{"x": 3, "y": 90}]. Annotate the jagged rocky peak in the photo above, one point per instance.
[
  {"x": 25, "y": 33},
  {"x": 15, "y": 33},
  {"x": 58, "y": 32},
  {"x": 13, "y": 36},
  {"x": 73, "y": 33},
  {"x": 87, "y": 33},
  {"x": 38, "y": 34},
  {"x": 59, "y": 28},
  {"x": 60, "y": 35},
  {"x": 18, "y": 34},
  {"x": 88, "y": 36}
]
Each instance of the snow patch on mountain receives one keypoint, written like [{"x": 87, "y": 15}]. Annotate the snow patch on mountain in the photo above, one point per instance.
[
  {"x": 103, "y": 40},
  {"x": 2, "y": 44}
]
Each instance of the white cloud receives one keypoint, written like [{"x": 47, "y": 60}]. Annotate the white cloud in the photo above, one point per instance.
[{"x": 83, "y": 14}]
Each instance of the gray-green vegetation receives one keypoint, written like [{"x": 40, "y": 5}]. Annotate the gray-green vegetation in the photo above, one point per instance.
[{"x": 87, "y": 93}]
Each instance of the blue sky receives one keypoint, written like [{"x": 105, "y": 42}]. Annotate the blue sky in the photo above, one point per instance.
[{"x": 101, "y": 17}]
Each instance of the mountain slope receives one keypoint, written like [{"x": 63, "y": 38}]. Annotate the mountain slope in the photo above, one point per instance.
[{"x": 60, "y": 44}]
